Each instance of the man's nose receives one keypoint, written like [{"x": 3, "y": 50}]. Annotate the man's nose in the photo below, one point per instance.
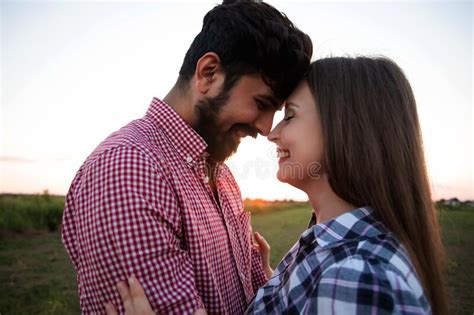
[
  {"x": 273, "y": 135},
  {"x": 264, "y": 123}
]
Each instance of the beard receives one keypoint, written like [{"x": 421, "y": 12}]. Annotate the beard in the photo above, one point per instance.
[{"x": 221, "y": 144}]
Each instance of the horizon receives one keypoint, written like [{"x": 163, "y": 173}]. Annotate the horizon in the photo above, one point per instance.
[
  {"x": 243, "y": 199},
  {"x": 62, "y": 100}
]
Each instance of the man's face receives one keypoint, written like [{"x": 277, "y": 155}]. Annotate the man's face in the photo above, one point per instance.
[{"x": 246, "y": 110}]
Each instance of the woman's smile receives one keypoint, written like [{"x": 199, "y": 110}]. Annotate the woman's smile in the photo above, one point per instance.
[{"x": 282, "y": 154}]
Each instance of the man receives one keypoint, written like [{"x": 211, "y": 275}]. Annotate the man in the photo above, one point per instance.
[{"x": 155, "y": 199}]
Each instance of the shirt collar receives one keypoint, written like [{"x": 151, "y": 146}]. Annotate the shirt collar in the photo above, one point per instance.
[
  {"x": 182, "y": 136},
  {"x": 355, "y": 224}
]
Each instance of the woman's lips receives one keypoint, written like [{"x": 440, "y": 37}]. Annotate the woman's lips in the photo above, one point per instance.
[{"x": 282, "y": 154}]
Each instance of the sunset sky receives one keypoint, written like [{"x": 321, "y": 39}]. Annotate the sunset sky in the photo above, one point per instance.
[{"x": 72, "y": 72}]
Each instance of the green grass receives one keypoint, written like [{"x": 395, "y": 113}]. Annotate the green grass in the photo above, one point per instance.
[
  {"x": 281, "y": 228},
  {"x": 36, "y": 276},
  {"x": 458, "y": 235},
  {"x": 20, "y": 213}
]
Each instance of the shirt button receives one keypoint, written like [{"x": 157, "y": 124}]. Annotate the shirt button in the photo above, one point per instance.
[
  {"x": 206, "y": 179},
  {"x": 189, "y": 159}
]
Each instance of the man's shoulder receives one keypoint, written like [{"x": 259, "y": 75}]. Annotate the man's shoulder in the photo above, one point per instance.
[
  {"x": 138, "y": 140},
  {"x": 126, "y": 158}
]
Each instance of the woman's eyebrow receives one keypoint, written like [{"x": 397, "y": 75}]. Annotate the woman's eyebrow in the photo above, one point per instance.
[{"x": 288, "y": 104}]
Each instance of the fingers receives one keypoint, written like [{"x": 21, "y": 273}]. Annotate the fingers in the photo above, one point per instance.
[
  {"x": 200, "y": 311},
  {"x": 133, "y": 297},
  {"x": 126, "y": 296},
  {"x": 261, "y": 242},
  {"x": 110, "y": 309},
  {"x": 264, "y": 249},
  {"x": 140, "y": 301},
  {"x": 135, "y": 288}
]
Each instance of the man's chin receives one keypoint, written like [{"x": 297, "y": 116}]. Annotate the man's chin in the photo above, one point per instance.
[{"x": 223, "y": 154}]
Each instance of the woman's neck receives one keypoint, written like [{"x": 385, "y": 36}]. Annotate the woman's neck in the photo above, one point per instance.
[{"x": 325, "y": 202}]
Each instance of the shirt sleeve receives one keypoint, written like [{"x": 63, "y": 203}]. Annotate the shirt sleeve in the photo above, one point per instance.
[
  {"x": 132, "y": 226},
  {"x": 68, "y": 228},
  {"x": 358, "y": 286}
]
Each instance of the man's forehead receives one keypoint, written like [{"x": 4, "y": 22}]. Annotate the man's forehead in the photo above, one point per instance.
[{"x": 257, "y": 87}]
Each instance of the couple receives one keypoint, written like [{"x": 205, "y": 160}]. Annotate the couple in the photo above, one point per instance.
[{"x": 155, "y": 209}]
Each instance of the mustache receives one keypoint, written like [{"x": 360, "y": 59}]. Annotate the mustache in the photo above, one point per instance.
[{"x": 245, "y": 128}]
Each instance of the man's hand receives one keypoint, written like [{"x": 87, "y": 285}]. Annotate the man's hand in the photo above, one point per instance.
[
  {"x": 264, "y": 249},
  {"x": 134, "y": 300}
]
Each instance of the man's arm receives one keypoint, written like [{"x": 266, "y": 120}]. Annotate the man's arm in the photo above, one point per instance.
[{"x": 137, "y": 231}]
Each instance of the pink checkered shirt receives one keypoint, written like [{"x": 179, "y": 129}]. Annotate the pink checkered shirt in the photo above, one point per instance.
[{"x": 141, "y": 204}]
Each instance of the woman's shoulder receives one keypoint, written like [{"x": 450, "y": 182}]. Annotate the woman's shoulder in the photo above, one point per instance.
[
  {"x": 361, "y": 237},
  {"x": 381, "y": 252},
  {"x": 384, "y": 250},
  {"x": 381, "y": 264},
  {"x": 378, "y": 272},
  {"x": 356, "y": 285}
]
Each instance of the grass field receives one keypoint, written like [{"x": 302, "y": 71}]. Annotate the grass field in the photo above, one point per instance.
[
  {"x": 36, "y": 276},
  {"x": 22, "y": 213},
  {"x": 458, "y": 235}
]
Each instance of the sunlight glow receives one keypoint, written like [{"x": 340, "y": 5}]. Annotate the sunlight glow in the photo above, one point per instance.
[{"x": 73, "y": 72}]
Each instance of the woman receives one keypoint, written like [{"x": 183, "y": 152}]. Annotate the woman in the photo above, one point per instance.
[{"x": 351, "y": 140}]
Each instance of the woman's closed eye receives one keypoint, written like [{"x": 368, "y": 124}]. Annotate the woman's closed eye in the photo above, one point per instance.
[{"x": 289, "y": 114}]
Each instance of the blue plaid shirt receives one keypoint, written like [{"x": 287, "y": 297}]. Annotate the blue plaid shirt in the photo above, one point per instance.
[{"x": 348, "y": 265}]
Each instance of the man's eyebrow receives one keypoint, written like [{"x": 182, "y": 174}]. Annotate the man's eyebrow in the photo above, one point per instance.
[{"x": 274, "y": 103}]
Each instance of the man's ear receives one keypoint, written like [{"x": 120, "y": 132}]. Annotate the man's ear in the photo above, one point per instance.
[{"x": 208, "y": 73}]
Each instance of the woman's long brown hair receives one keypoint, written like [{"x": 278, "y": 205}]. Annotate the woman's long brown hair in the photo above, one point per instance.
[{"x": 374, "y": 156}]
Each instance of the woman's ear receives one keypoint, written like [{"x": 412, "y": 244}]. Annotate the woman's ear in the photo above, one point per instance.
[{"x": 208, "y": 72}]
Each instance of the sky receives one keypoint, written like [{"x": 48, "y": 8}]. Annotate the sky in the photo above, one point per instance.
[{"x": 72, "y": 72}]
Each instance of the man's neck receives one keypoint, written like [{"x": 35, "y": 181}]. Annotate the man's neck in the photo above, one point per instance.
[{"x": 182, "y": 103}]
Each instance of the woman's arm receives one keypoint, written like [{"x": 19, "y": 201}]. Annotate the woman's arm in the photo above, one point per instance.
[{"x": 135, "y": 301}]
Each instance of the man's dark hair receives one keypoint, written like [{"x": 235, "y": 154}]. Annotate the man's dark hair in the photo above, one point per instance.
[{"x": 251, "y": 38}]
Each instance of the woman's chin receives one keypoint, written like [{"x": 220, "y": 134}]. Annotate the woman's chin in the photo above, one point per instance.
[
  {"x": 280, "y": 177},
  {"x": 286, "y": 178},
  {"x": 292, "y": 178}
]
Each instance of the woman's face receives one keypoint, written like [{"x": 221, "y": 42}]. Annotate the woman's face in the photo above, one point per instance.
[{"x": 299, "y": 139}]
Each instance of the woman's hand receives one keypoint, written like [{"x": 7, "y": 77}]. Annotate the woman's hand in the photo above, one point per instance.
[
  {"x": 264, "y": 249},
  {"x": 133, "y": 297},
  {"x": 134, "y": 300}
]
